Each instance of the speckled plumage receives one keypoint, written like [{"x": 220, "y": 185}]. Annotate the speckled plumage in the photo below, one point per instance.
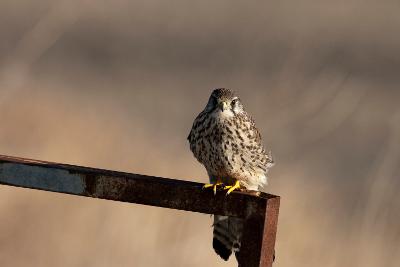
[
  {"x": 225, "y": 139},
  {"x": 229, "y": 144}
]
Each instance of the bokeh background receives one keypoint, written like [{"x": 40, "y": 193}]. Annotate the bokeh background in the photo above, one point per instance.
[{"x": 117, "y": 84}]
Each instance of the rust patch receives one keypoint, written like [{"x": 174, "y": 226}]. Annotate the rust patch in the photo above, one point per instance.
[
  {"x": 89, "y": 181},
  {"x": 111, "y": 187}
]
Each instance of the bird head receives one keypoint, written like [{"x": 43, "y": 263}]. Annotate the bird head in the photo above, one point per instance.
[{"x": 224, "y": 101}]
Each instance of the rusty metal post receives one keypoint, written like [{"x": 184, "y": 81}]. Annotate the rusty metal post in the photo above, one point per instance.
[
  {"x": 260, "y": 211},
  {"x": 259, "y": 235}
]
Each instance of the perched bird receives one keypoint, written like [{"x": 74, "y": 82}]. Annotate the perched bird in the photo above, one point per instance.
[{"x": 225, "y": 139}]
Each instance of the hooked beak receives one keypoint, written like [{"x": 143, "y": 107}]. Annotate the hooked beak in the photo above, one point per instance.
[{"x": 222, "y": 105}]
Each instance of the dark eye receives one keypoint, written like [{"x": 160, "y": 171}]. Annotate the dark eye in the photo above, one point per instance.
[{"x": 234, "y": 101}]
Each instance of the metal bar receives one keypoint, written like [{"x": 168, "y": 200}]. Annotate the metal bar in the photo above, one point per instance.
[
  {"x": 260, "y": 210},
  {"x": 269, "y": 234},
  {"x": 259, "y": 235}
]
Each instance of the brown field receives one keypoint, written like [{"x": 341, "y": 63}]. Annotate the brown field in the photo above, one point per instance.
[{"x": 117, "y": 84}]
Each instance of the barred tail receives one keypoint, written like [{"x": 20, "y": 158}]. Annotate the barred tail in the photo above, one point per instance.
[{"x": 227, "y": 234}]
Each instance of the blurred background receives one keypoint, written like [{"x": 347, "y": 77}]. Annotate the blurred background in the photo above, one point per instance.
[{"x": 117, "y": 84}]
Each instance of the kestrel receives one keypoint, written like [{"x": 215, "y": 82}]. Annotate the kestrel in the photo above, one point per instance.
[{"x": 225, "y": 139}]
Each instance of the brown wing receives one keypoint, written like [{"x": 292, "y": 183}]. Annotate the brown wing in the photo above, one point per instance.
[{"x": 266, "y": 158}]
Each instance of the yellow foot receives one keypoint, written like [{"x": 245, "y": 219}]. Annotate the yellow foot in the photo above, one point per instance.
[
  {"x": 232, "y": 187},
  {"x": 214, "y": 186}
]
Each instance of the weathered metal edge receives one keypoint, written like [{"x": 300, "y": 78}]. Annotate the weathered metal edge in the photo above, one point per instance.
[{"x": 127, "y": 187}]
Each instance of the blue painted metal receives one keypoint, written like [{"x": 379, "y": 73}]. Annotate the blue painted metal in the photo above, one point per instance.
[{"x": 259, "y": 210}]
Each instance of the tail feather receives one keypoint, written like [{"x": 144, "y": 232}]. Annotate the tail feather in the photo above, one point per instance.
[
  {"x": 227, "y": 235},
  {"x": 221, "y": 249}
]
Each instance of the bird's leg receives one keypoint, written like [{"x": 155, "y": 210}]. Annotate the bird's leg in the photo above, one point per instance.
[
  {"x": 214, "y": 186},
  {"x": 232, "y": 187}
]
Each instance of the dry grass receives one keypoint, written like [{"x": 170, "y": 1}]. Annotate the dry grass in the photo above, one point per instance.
[{"x": 117, "y": 85}]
